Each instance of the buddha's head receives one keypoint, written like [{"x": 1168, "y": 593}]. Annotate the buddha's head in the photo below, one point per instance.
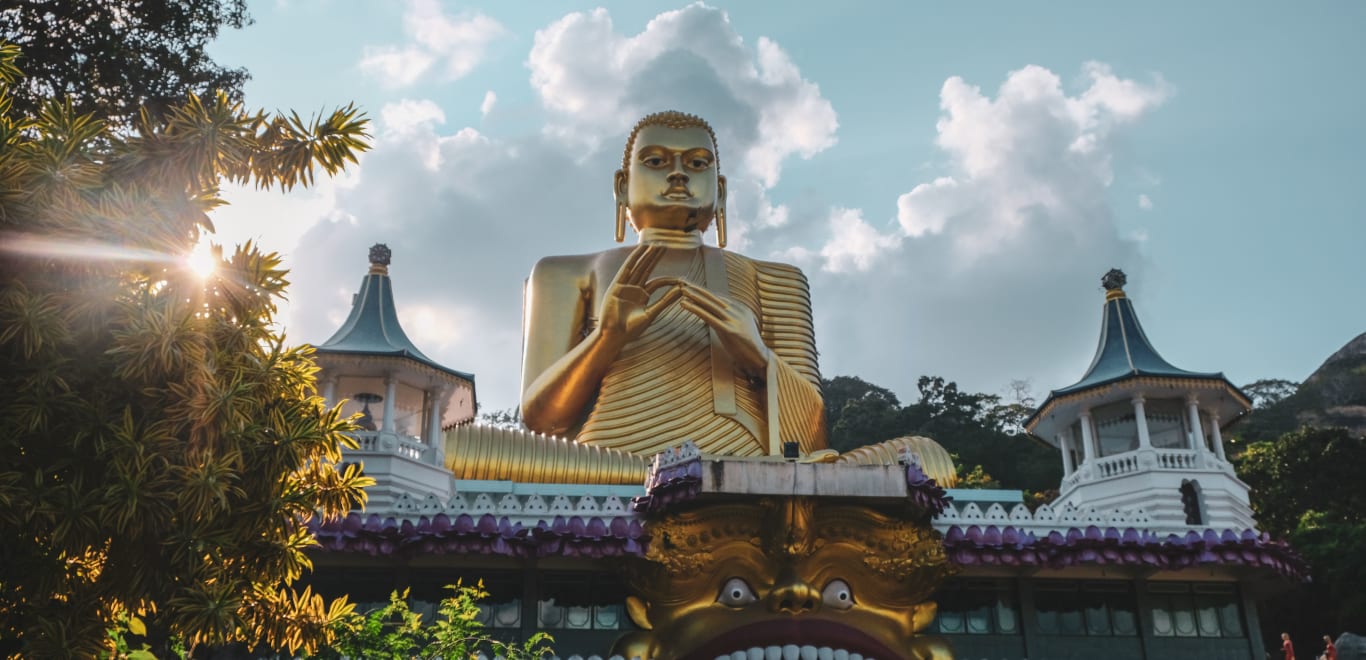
[
  {"x": 670, "y": 175},
  {"x": 728, "y": 578}
]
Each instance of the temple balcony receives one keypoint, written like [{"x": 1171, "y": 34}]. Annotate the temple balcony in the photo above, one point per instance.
[{"x": 401, "y": 464}]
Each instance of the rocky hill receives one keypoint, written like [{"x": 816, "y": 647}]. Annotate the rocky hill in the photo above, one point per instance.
[{"x": 1334, "y": 395}]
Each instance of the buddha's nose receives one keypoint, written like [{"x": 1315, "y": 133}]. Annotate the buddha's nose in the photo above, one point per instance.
[
  {"x": 792, "y": 595},
  {"x": 677, "y": 178}
]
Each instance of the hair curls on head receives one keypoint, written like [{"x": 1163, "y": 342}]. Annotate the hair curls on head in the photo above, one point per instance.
[{"x": 668, "y": 119}]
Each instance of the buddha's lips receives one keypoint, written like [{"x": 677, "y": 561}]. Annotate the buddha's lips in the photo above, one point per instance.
[{"x": 793, "y": 630}]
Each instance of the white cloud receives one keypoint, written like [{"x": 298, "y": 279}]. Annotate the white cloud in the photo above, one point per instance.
[
  {"x": 856, "y": 244},
  {"x": 985, "y": 272},
  {"x": 490, "y": 99},
  {"x": 454, "y": 45},
  {"x": 597, "y": 82},
  {"x": 1145, "y": 203}
]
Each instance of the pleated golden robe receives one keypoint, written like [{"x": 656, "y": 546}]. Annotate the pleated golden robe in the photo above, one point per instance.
[{"x": 676, "y": 382}]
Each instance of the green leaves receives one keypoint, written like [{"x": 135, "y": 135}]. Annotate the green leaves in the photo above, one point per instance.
[{"x": 164, "y": 447}]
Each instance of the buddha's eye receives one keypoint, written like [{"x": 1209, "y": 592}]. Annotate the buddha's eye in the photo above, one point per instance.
[
  {"x": 700, "y": 164},
  {"x": 736, "y": 593},
  {"x": 837, "y": 594},
  {"x": 653, "y": 161}
]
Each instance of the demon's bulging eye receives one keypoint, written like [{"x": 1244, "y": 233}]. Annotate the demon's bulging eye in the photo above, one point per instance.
[
  {"x": 838, "y": 595},
  {"x": 736, "y": 593}
]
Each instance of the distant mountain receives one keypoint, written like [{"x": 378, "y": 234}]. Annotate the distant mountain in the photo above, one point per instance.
[{"x": 1334, "y": 395}]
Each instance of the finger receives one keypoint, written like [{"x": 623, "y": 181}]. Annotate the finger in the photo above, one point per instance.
[
  {"x": 710, "y": 303},
  {"x": 670, "y": 297},
  {"x": 658, "y": 282},
  {"x": 647, "y": 264},
  {"x": 703, "y": 293},
  {"x": 706, "y": 315}
]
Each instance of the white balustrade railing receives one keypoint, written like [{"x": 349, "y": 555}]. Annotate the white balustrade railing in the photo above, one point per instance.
[
  {"x": 382, "y": 443},
  {"x": 1114, "y": 466},
  {"x": 1176, "y": 460}
]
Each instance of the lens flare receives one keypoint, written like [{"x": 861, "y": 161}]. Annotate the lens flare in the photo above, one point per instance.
[{"x": 203, "y": 260}]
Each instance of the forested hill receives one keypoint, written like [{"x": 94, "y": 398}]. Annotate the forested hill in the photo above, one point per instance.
[
  {"x": 1334, "y": 395},
  {"x": 979, "y": 429}
]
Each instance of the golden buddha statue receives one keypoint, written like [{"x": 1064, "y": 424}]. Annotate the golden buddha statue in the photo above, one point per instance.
[{"x": 640, "y": 348}]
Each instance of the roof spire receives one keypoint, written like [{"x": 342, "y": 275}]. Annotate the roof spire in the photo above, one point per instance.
[
  {"x": 379, "y": 259},
  {"x": 1114, "y": 282}
]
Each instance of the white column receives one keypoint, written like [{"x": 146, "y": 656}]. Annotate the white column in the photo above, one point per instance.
[
  {"x": 1066, "y": 454},
  {"x": 1088, "y": 440},
  {"x": 390, "y": 392},
  {"x": 330, "y": 391},
  {"x": 433, "y": 415},
  {"x": 1141, "y": 419},
  {"x": 1197, "y": 432},
  {"x": 435, "y": 439},
  {"x": 1218, "y": 436}
]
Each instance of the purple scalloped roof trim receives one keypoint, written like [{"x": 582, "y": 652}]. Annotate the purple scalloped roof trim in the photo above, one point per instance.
[
  {"x": 676, "y": 483},
  {"x": 924, "y": 492},
  {"x": 574, "y": 536},
  {"x": 1010, "y": 546}
]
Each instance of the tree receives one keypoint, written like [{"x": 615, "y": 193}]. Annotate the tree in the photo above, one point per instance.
[
  {"x": 859, "y": 413},
  {"x": 164, "y": 449},
  {"x": 977, "y": 428},
  {"x": 1268, "y": 392},
  {"x": 1306, "y": 489},
  {"x": 112, "y": 57}
]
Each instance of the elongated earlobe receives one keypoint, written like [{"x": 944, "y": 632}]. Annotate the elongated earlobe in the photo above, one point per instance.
[
  {"x": 721, "y": 227},
  {"x": 621, "y": 222}
]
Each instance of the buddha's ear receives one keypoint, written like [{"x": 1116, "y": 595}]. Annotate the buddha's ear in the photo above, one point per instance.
[
  {"x": 639, "y": 612},
  {"x": 619, "y": 187}
]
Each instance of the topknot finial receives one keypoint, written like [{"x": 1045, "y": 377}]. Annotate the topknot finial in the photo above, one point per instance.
[
  {"x": 379, "y": 259},
  {"x": 1114, "y": 282}
]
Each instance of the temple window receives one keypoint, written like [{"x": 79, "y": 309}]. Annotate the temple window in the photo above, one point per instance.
[
  {"x": 1116, "y": 428},
  {"x": 1195, "y": 610},
  {"x": 1167, "y": 423},
  {"x": 977, "y": 607},
  {"x": 1191, "y": 504},
  {"x": 1096, "y": 609},
  {"x": 582, "y": 601}
]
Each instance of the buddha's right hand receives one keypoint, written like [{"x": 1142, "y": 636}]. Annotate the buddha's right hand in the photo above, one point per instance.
[{"x": 626, "y": 307}]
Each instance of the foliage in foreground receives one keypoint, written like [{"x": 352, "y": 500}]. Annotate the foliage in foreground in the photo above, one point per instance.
[
  {"x": 395, "y": 632},
  {"x": 1306, "y": 489},
  {"x": 113, "y": 57},
  {"x": 164, "y": 448}
]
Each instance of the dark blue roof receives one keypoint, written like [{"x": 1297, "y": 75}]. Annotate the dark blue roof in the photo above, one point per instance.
[
  {"x": 1125, "y": 351},
  {"x": 373, "y": 328}
]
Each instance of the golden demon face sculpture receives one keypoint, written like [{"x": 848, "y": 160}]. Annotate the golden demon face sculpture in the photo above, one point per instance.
[{"x": 720, "y": 581}]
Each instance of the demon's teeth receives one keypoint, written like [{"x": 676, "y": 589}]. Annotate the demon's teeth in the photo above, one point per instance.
[{"x": 793, "y": 652}]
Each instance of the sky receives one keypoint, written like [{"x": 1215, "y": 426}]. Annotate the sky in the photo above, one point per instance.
[{"x": 954, "y": 178}]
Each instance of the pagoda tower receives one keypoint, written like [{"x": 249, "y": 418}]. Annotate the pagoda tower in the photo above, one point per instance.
[
  {"x": 1137, "y": 433},
  {"x": 405, "y": 398}
]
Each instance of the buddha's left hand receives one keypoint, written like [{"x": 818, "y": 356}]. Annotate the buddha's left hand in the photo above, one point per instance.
[{"x": 734, "y": 324}]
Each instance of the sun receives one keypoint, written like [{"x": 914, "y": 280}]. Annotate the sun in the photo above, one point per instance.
[{"x": 202, "y": 260}]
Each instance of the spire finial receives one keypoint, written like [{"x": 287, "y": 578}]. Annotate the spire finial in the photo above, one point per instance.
[
  {"x": 379, "y": 259},
  {"x": 1114, "y": 282}
]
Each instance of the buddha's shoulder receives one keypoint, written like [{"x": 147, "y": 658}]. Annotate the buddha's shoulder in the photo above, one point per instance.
[
  {"x": 572, "y": 266},
  {"x": 769, "y": 269}
]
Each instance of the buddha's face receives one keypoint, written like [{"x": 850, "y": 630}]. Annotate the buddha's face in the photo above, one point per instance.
[
  {"x": 672, "y": 181},
  {"x": 735, "y": 593}
]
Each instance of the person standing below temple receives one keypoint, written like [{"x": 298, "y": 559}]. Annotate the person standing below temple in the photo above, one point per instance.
[
  {"x": 1287, "y": 648},
  {"x": 1330, "y": 652}
]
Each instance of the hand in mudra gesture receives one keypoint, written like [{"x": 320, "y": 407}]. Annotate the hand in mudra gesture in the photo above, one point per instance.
[
  {"x": 626, "y": 308},
  {"x": 734, "y": 324}
]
